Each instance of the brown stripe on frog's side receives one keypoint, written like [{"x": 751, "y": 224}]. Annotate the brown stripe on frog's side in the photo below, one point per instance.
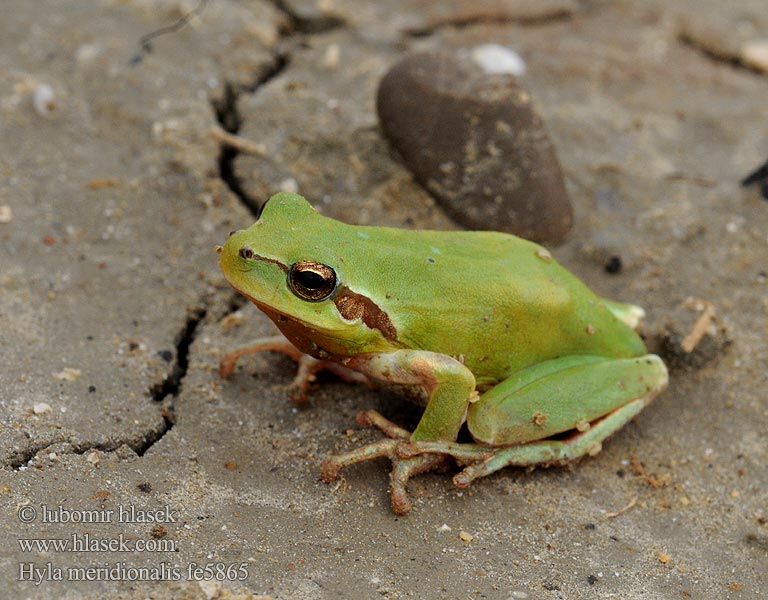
[{"x": 352, "y": 305}]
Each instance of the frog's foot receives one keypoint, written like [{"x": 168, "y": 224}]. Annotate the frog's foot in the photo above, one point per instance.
[
  {"x": 275, "y": 343},
  {"x": 403, "y": 468},
  {"x": 484, "y": 460},
  {"x": 308, "y": 366}
]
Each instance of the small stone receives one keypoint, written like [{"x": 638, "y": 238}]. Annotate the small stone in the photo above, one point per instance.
[
  {"x": 613, "y": 265},
  {"x": 44, "y": 100},
  {"x": 6, "y": 215},
  {"x": 40, "y": 408},
  {"x": 68, "y": 374},
  {"x": 494, "y": 58},
  {"x": 474, "y": 140},
  {"x": 289, "y": 185},
  {"x": 158, "y": 531},
  {"x": 332, "y": 56}
]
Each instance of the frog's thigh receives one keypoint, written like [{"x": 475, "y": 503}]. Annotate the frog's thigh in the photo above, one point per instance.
[
  {"x": 448, "y": 383},
  {"x": 563, "y": 394}
]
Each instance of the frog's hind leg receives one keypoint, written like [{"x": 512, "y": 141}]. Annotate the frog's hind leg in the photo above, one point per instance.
[
  {"x": 403, "y": 467},
  {"x": 519, "y": 422},
  {"x": 550, "y": 452}
]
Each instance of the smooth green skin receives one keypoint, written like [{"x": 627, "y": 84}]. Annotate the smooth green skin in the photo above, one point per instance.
[{"x": 469, "y": 312}]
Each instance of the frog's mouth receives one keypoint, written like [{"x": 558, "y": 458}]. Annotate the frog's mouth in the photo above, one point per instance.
[{"x": 306, "y": 336}]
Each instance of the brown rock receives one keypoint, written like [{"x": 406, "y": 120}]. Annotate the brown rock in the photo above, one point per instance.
[{"x": 476, "y": 142}]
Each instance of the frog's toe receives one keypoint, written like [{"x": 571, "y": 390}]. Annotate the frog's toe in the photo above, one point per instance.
[
  {"x": 332, "y": 466},
  {"x": 373, "y": 418},
  {"x": 402, "y": 471}
]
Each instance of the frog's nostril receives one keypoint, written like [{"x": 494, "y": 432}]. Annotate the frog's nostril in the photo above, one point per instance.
[{"x": 233, "y": 232}]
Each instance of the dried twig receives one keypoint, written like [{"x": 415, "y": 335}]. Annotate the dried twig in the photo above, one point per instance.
[
  {"x": 621, "y": 511},
  {"x": 699, "y": 328},
  {"x": 237, "y": 142}
]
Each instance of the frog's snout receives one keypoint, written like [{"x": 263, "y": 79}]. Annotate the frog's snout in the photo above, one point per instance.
[{"x": 219, "y": 249}]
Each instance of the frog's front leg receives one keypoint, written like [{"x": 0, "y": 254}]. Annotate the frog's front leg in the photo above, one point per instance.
[
  {"x": 450, "y": 388},
  {"x": 308, "y": 366},
  {"x": 591, "y": 396}
]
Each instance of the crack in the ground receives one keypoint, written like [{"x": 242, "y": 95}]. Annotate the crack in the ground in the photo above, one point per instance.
[
  {"x": 758, "y": 177},
  {"x": 236, "y": 302},
  {"x": 163, "y": 391},
  {"x": 171, "y": 383},
  {"x": 228, "y": 117},
  {"x": 22, "y": 459},
  {"x": 170, "y": 386}
]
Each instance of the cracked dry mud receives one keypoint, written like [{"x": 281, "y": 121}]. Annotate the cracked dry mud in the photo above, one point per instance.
[{"x": 113, "y": 314}]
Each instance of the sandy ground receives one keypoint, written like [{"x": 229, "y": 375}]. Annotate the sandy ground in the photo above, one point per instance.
[{"x": 113, "y": 314}]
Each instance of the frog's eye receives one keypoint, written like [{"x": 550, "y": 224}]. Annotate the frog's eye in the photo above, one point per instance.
[
  {"x": 246, "y": 253},
  {"x": 311, "y": 280}
]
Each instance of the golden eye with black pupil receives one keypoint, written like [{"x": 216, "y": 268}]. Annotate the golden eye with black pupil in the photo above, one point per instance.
[
  {"x": 246, "y": 253},
  {"x": 312, "y": 281}
]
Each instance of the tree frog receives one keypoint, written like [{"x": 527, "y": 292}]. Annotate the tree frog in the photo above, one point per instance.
[{"x": 489, "y": 327}]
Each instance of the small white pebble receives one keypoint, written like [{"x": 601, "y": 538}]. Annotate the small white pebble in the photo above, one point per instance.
[
  {"x": 444, "y": 527},
  {"x": 288, "y": 185},
  {"x": 40, "y": 408},
  {"x": 332, "y": 56},
  {"x": 44, "y": 100},
  {"x": 494, "y": 58},
  {"x": 68, "y": 374},
  {"x": 87, "y": 53}
]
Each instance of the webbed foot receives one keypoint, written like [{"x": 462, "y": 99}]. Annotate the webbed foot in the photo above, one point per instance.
[{"x": 403, "y": 467}]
